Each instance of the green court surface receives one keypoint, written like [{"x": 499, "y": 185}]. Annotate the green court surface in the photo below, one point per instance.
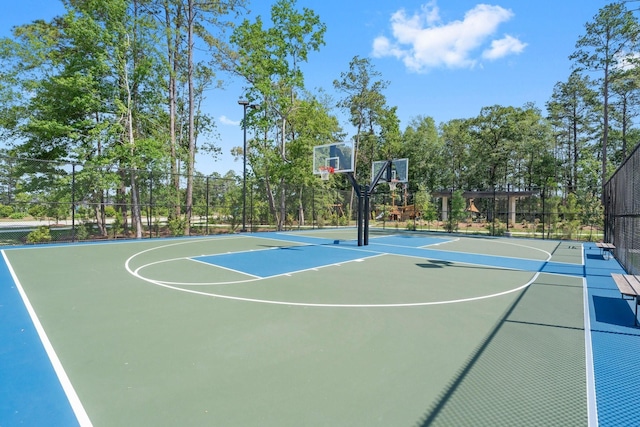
[{"x": 186, "y": 332}]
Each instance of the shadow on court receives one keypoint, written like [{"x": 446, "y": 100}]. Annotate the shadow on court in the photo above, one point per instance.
[
  {"x": 613, "y": 311},
  {"x": 434, "y": 264},
  {"x": 529, "y": 370}
]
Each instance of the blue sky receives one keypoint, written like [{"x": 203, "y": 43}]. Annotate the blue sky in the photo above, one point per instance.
[{"x": 444, "y": 59}]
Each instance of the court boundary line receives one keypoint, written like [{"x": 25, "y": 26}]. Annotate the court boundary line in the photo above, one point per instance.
[
  {"x": 358, "y": 248},
  {"x": 374, "y": 253},
  {"x": 63, "y": 378},
  {"x": 327, "y": 305},
  {"x": 302, "y": 244},
  {"x": 121, "y": 241},
  {"x": 426, "y": 247},
  {"x": 215, "y": 265},
  {"x": 592, "y": 401},
  {"x": 290, "y": 303},
  {"x": 253, "y": 279}
]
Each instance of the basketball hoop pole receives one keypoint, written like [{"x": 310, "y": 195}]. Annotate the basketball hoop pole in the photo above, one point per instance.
[
  {"x": 364, "y": 196},
  {"x": 367, "y": 198}
]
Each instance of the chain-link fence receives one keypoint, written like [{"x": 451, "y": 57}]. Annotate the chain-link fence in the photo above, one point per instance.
[
  {"x": 622, "y": 212},
  {"x": 44, "y": 201}
]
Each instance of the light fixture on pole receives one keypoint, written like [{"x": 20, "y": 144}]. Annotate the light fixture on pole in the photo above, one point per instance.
[{"x": 244, "y": 104}]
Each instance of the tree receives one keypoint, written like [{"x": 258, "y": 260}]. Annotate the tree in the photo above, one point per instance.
[
  {"x": 424, "y": 205},
  {"x": 81, "y": 81},
  {"x": 496, "y": 135},
  {"x": 310, "y": 125},
  {"x": 455, "y": 161},
  {"x": 593, "y": 213},
  {"x": 573, "y": 112},
  {"x": 626, "y": 90},
  {"x": 456, "y": 213},
  {"x": 609, "y": 44},
  {"x": 270, "y": 59},
  {"x": 202, "y": 18},
  {"x": 368, "y": 112},
  {"x": 422, "y": 145}
]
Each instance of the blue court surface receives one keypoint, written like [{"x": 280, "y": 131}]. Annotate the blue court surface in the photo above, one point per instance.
[
  {"x": 615, "y": 342},
  {"x": 317, "y": 253},
  {"x": 34, "y": 393},
  {"x": 283, "y": 260}
]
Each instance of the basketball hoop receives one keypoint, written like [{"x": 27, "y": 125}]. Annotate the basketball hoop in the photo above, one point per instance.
[
  {"x": 392, "y": 184},
  {"x": 325, "y": 172}
]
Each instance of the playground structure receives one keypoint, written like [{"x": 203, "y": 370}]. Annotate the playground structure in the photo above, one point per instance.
[
  {"x": 404, "y": 211},
  {"x": 470, "y": 196}
]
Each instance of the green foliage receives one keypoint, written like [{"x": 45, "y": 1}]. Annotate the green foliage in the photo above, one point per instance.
[
  {"x": 38, "y": 211},
  {"x": 607, "y": 47},
  {"x": 82, "y": 232},
  {"x": 39, "y": 235},
  {"x": 110, "y": 211},
  {"x": 423, "y": 146},
  {"x": 270, "y": 60},
  {"x": 457, "y": 211},
  {"x": 496, "y": 228},
  {"x": 177, "y": 226},
  {"x": 571, "y": 212},
  {"x": 117, "y": 225},
  {"x": 5, "y": 211},
  {"x": 593, "y": 213},
  {"x": 424, "y": 205},
  {"x": 79, "y": 88}
]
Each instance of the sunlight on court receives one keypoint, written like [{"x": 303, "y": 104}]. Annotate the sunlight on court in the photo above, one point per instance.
[{"x": 224, "y": 330}]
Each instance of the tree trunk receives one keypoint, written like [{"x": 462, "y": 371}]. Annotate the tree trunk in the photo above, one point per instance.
[
  {"x": 173, "y": 46},
  {"x": 192, "y": 141},
  {"x": 301, "y": 208},
  {"x": 283, "y": 206}
]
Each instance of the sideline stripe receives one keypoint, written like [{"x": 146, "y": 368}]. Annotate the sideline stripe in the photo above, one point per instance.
[
  {"x": 592, "y": 406},
  {"x": 74, "y": 400}
]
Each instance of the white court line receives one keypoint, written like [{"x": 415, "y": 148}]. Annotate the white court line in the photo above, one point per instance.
[
  {"x": 254, "y": 278},
  {"x": 547, "y": 253},
  {"x": 592, "y": 404},
  {"x": 219, "y": 266},
  {"x": 303, "y": 304},
  {"x": 65, "y": 382},
  {"x": 170, "y": 285}
]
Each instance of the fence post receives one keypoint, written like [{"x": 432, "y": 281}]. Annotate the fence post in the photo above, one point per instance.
[
  {"x": 544, "y": 213},
  {"x": 313, "y": 207},
  {"x": 251, "y": 230},
  {"x": 150, "y": 215},
  {"x": 206, "y": 209},
  {"x": 73, "y": 202}
]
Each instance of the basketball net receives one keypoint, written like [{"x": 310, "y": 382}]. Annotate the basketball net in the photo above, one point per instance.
[
  {"x": 325, "y": 172},
  {"x": 392, "y": 184}
]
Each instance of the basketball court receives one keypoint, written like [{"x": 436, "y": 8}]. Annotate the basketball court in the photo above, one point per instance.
[
  {"x": 308, "y": 328},
  {"x": 327, "y": 327}
]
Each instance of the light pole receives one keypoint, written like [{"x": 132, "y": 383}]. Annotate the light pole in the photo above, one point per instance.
[{"x": 244, "y": 104}]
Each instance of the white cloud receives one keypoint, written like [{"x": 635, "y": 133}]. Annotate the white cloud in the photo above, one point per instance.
[
  {"x": 431, "y": 12},
  {"x": 626, "y": 61},
  {"x": 503, "y": 47},
  {"x": 227, "y": 121},
  {"x": 422, "y": 41}
]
